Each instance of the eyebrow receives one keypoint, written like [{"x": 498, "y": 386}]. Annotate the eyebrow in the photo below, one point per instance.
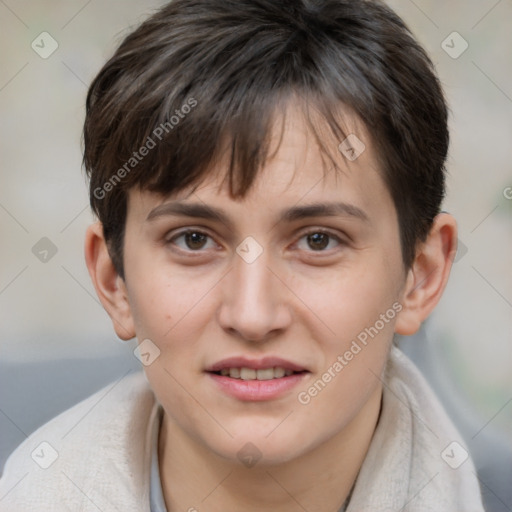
[{"x": 203, "y": 211}]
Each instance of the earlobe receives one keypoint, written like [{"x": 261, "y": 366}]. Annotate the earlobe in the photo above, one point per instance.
[
  {"x": 110, "y": 287},
  {"x": 428, "y": 275}
]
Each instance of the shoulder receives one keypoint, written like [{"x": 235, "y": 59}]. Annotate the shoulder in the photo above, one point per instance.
[{"x": 79, "y": 457}]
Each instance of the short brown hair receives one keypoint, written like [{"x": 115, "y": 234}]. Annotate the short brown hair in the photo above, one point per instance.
[{"x": 202, "y": 72}]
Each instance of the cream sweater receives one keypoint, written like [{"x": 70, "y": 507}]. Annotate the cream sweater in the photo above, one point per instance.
[{"x": 96, "y": 455}]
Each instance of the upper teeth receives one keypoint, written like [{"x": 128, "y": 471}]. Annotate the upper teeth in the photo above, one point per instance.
[{"x": 252, "y": 374}]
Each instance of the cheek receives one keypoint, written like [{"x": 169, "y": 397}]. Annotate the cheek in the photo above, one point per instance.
[
  {"x": 348, "y": 301},
  {"x": 164, "y": 301}
]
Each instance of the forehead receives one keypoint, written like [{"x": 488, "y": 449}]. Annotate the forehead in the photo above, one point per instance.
[{"x": 307, "y": 163}]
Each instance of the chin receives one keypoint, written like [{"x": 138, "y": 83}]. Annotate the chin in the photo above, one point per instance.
[{"x": 254, "y": 447}]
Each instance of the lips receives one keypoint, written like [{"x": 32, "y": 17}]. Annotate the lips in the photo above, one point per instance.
[{"x": 256, "y": 379}]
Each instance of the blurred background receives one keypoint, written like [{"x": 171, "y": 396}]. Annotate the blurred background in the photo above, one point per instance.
[{"x": 57, "y": 343}]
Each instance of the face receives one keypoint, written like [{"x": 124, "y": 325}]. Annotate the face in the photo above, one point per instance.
[{"x": 304, "y": 275}]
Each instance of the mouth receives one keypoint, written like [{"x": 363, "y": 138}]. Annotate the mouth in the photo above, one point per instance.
[{"x": 256, "y": 380}]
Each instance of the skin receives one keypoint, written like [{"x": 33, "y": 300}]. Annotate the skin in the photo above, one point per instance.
[{"x": 296, "y": 301}]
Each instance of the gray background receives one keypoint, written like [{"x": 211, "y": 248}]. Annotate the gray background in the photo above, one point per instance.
[{"x": 57, "y": 344}]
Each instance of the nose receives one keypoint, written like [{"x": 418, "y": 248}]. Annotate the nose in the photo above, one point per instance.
[{"x": 254, "y": 305}]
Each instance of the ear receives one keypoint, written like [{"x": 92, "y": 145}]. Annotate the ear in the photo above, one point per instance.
[
  {"x": 428, "y": 275},
  {"x": 110, "y": 287}
]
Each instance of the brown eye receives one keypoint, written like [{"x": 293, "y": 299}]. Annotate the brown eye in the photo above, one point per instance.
[
  {"x": 318, "y": 241},
  {"x": 192, "y": 241},
  {"x": 195, "y": 240}
]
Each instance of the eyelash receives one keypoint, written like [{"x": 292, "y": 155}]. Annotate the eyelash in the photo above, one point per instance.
[{"x": 332, "y": 236}]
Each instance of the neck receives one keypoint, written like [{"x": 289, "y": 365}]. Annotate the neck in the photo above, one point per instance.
[{"x": 194, "y": 478}]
